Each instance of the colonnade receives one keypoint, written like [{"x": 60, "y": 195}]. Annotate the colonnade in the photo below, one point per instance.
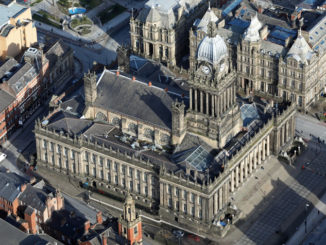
[
  {"x": 212, "y": 104},
  {"x": 248, "y": 164}
]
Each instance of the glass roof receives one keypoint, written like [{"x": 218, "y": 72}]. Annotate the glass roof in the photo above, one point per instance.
[{"x": 200, "y": 159}]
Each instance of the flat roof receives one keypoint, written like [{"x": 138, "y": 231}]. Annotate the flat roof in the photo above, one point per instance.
[{"x": 11, "y": 10}]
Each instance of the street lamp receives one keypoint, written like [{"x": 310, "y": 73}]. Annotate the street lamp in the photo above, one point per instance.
[{"x": 305, "y": 221}]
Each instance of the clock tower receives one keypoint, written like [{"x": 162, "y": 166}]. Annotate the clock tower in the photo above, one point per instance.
[{"x": 213, "y": 112}]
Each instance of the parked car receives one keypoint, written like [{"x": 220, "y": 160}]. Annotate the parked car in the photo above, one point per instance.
[
  {"x": 194, "y": 237},
  {"x": 2, "y": 156},
  {"x": 178, "y": 233}
]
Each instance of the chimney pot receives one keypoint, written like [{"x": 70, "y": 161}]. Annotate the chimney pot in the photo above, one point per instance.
[
  {"x": 150, "y": 84},
  {"x": 118, "y": 73}
]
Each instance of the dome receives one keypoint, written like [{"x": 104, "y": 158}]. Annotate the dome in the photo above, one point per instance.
[{"x": 212, "y": 50}]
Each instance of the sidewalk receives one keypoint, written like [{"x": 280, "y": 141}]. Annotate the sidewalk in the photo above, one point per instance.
[{"x": 313, "y": 219}]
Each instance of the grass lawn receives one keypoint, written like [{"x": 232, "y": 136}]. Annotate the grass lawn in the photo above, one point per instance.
[
  {"x": 90, "y": 4},
  {"x": 45, "y": 20},
  {"x": 110, "y": 13},
  {"x": 80, "y": 21}
]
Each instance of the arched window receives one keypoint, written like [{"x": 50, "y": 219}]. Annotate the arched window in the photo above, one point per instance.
[
  {"x": 132, "y": 128},
  {"x": 116, "y": 121},
  {"x": 148, "y": 133},
  {"x": 101, "y": 117}
]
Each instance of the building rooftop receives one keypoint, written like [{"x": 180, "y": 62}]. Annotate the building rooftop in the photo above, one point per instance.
[
  {"x": 10, "y": 185},
  {"x": 12, "y": 10},
  {"x": 5, "y": 100},
  {"x": 135, "y": 99},
  {"x": 11, "y": 235},
  {"x": 35, "y": 198}
]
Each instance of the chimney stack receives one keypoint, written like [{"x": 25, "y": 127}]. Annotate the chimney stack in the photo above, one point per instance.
[
  {"x": 87, "y": 225},
  {"x": 104, "y": 239}
]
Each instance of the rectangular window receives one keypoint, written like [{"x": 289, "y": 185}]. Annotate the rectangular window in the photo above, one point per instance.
[
  {"x": 192, "y": 210},
  {"x": 116, "y": 179},
  {"x": 135, "y": 230},
  {"x": 131, "y": 185},
  {"x": 65, "y": 151},
  {"x": 74, "y": 167},
  {"x": 185, "y": 208},
  {"x": 87, "y": 169},
  {"x": 145, "y": 177},
  {"x": 115, "y": 166},
  {"x": 169, "y": 189},
  {"x": 130, "y": 171},
  {"x": 123, "y": 169},
  {"x": 86, "y": 156},
  {"x": 101, "y": 161},
  {"x": 192, "y": 197},
  {"x": 200, "y": 214},
  {"x": 108, "y": 164},
  {"x": 185, "y": 194},
  {"x": 94, "y": 158},
  {"x": 170, "y": 202},
  {"x": 101, "y": 174},
  {"x": 138, "y": 174},
  {"x": 59, "y": 149},
  {"x": 94, "y": 172},
  {"x": 146, "y": 190},
  {"x": 200, "y": 200},
  {"x": 124, "y": 183},
  {"x": 177, "y": 206},
  {"x": 44, "y": 144},
  {"x": 177, "y": 191},
  {"x": 72, "y": 154},
  {"x": 109, "y": 177},
  {"x": 51, "y": 146}
]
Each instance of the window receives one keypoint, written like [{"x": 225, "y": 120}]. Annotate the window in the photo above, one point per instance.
[
  {"x": 59, "y": 149},
  {"x": 44, "y": 143},
  {"x": 138, "y": 188},
  {"x": 115, "y": 166},
  {"x": 65, "y": 151},
  {"x": 145, "y": 177},
  {"x": 169, "y": 189},
  {"x": 200, "y": 200},
  {"x": 108, "y": 164},
  {"x": 116, "y": 179},
  {"x": 185, "y": 194},
  {"x": 130, "y": 172},
  {"x": 177, "y": 206},
  {"x": 185, "y": 208},
  {"x": 170, "y": 202},
  {"x": 192, "y": 197},
  {"x": 138, "y": 174},
  {"x": 101, "y": 174},
  {"x": 101, "y": 161},
  {"x": 74, "y": 167},
  {"x": 200, "y": 214},
  {"x": 109, "y": 177},
  {"x": 94, "y": 158},
  {"x": 124, "y": 230},
  {"x": 131, "y": 185},
  {"x": 284, "y": 82},
  {"x": 123, "y": 169},
  {"x": 86, "y": 156},
  {"x": 51, "y": 146},
  {"x": 72, "y": 154},
  {"x": 124, "y": 183},
  {"x": 262, "y": 86},
  {"x": 94, "y": 172},
  {"x": 192, "y": 210},
  {"x": 87, "y": 169},
  {"x": 293, "y": 84},
  {"x": 177, "y": 191},
  {"x": 135, "y": 230},
  {"x": 146, "y": 190}
]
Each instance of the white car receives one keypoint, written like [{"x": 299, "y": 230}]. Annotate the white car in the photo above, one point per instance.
[{"x": 2, "y": 156}]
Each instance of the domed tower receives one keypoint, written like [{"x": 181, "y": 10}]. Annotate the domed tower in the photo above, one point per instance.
[
  {"x": 213, "y": 112},
  {"x": 130, "y": 225}
]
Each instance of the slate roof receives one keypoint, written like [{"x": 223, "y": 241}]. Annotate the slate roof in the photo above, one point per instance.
[
  {"x": 34, "y": 198},
  {"x": 10, "y": 186},
  {"x": 10, "y": 235},
  {"x": 7, "y": 66},
  {"x": 5, "y": 100},
  {"x": 135, "y": 99},
  {"x": 74, "y": 105},
  {"x": 59, "y": 49},
  {"x": 68, "y": 123},
  {"x": 67, "y": 223}
]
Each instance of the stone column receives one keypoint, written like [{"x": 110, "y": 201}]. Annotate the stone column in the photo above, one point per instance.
[
  {"x": 246, "y": 167},
  {"x": 149, "y": 184},
  {"x": 215, "y": 203},
  {"x": 255, "y": 158},
  {"x": 241, "y": 172},
  {"x": 268, "y": 149},
  {"x": 190, "y": 99},
  {"x": 201, "y": 102},
  {"x": 259, "y": 153},
  {"x": 220, "y": 198},
  {"x": 207, "y": 103},
  {"x": 213, "y": 105},
  {"x": 232, "y": 181},
  {"x": 196, "y": 100},
  {"x": 225, "y": 193},
  {"x": 250, "y": 162},
  {"x": 237, "y": 176},
  {"x": 162, "y": 189},
  {"x": 264, "y": 152}
]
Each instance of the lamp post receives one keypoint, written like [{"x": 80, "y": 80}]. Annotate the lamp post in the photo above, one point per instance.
[{"x": 305, "y": 221}]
